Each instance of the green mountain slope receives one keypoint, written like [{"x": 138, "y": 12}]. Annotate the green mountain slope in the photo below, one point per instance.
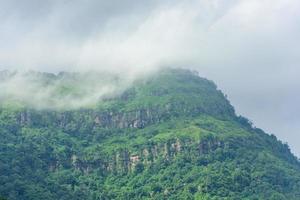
[{"x": 172, "y": 136}]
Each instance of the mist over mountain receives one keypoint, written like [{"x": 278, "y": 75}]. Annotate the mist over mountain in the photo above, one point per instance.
[
  {"x": 170, "y": 135},
  {"x": 114, "y": 99},
  {"x": 64, "y": 90}
]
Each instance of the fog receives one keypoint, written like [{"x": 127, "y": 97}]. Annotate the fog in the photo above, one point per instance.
[
  {"x": 249, "y": 48},
  {"x": 63, "y": 91}
]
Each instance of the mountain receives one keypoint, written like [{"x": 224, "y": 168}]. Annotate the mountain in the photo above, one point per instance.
[{"x": 172, "y": 135}]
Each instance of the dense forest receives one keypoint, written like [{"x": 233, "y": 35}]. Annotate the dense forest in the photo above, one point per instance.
[{"x": 172, "y": 135}]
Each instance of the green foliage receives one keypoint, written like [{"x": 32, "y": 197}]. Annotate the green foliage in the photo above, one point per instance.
[{"x": 178, "y": 138}]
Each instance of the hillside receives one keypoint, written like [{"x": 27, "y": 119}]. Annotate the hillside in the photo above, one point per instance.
[{"x": 173, "y": 135}]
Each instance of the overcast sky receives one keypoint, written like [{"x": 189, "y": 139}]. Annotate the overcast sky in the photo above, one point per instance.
[{"x": 250, "y": 48}]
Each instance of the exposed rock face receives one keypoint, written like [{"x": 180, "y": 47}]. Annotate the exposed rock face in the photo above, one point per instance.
[
  {"x": 25, "y": 118},
  {"x": 135, "y": 118},
  {"x": 205, "y": 146},
  {"x": 124, "y": 161},
  {"x": 132, "y": 119}
]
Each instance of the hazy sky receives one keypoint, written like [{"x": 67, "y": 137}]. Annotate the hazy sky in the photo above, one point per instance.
[{"x": 250, "y": 48}]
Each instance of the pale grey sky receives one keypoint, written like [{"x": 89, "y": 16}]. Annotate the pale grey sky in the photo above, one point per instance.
[{"x": 250, "y": 48}]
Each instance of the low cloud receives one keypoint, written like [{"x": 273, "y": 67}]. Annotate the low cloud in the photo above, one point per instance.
[{"x": 61, "y": 91}]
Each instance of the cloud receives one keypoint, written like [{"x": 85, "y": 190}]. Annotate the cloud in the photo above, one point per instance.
[
  {"x": 63, "y": 91},
  {"x": 128, "y": 35},
  {"x": 71, "y": 35},
  {"x": 250, "y": 48}
]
